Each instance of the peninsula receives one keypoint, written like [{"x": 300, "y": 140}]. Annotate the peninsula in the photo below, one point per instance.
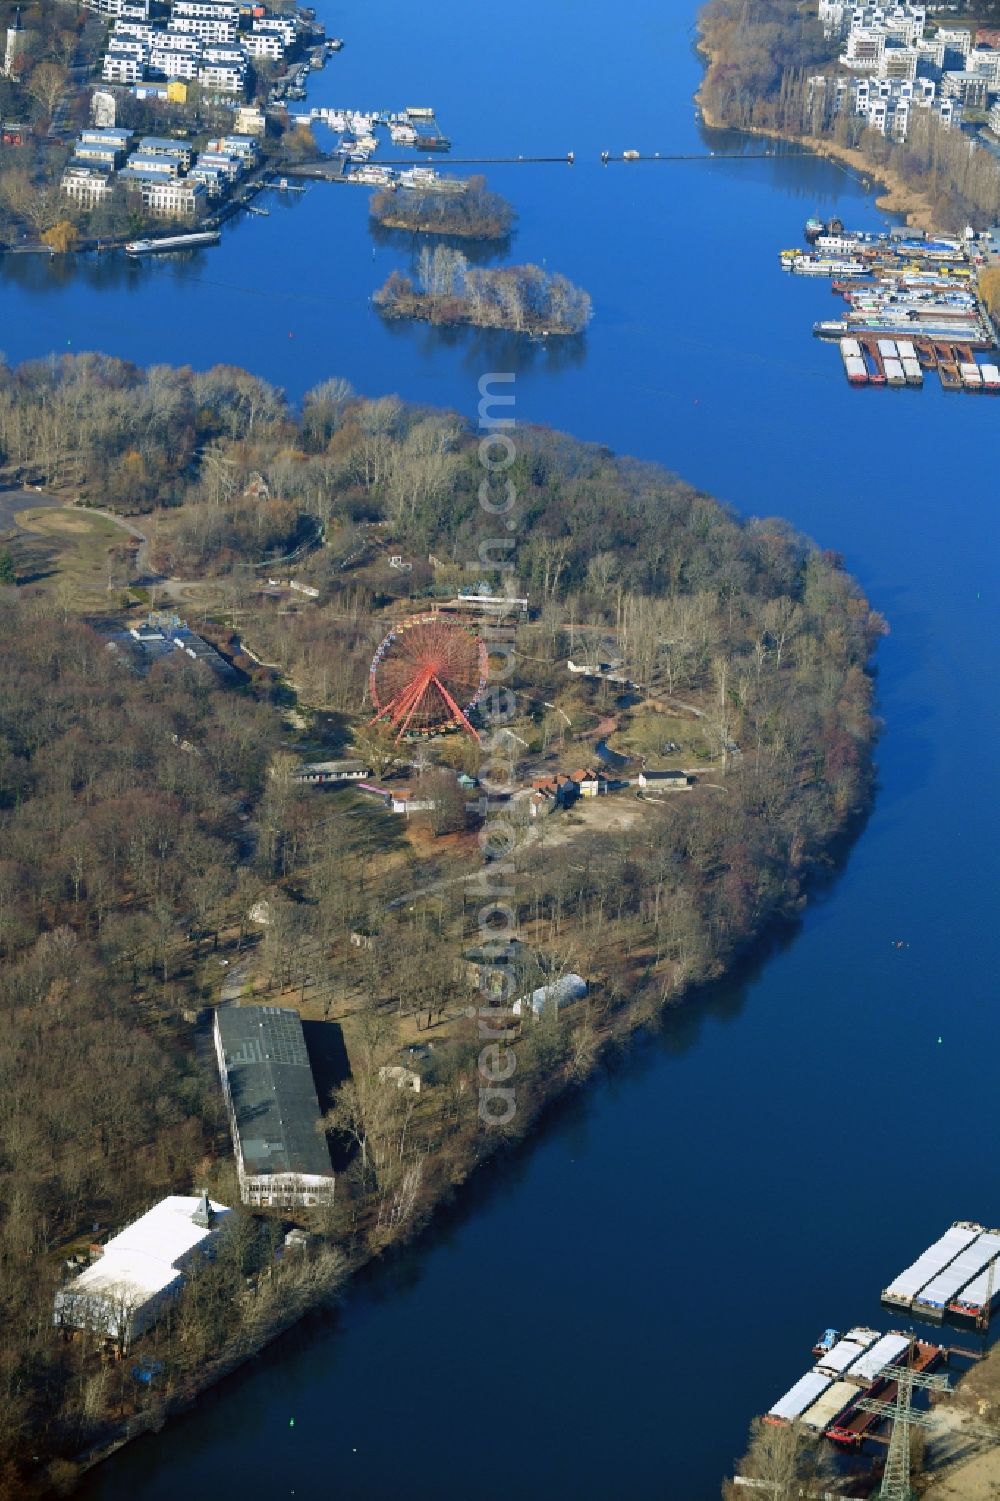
[{"x": 218, "y": 793}]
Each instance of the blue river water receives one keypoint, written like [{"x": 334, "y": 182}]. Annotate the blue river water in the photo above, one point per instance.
[{"x": 602, "y": 1316}]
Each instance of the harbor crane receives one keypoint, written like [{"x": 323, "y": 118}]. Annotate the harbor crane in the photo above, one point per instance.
[{"x": 896, "y": 1475}]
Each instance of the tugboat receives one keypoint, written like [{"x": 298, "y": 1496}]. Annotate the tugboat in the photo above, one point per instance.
[
  {"x": 826, "y": 1342},
  {"x": 814, "y": 228}
]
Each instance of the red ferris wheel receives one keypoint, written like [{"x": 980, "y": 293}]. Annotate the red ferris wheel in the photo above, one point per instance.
[{"x": 427, "y": 676}]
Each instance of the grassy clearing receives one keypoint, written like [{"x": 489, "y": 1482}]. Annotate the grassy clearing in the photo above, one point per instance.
[
  {"x": 66, "y": 553},
  {"x": 648, "y": 732}
]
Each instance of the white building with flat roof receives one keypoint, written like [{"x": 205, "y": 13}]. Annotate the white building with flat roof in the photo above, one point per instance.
[
  {"x": 122, "y": 67},
  {"x": 142, "y": 1270},
  {"x": 86, "y": 186}
]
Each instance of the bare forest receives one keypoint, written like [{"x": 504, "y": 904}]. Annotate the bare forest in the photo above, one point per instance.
[
  {"x": 143, "y": 818},
  {"x": 474, "y": 214}
]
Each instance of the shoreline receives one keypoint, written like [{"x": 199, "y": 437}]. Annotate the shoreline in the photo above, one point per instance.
[
  {"x": 615, "y": 1040},
  {"x": 895, "y": 197}
]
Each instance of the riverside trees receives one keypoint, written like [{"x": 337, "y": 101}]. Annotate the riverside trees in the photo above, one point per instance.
[{"x": 762, "y": 57}]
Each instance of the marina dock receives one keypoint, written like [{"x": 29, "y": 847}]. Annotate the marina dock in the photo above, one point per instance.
[{"x": 912, "y": 305}]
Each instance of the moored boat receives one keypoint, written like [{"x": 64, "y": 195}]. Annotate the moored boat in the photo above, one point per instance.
[{"x": 172, "y": 242}]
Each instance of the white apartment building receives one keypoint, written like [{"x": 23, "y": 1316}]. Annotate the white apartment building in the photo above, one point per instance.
[
  {"x": 208, "y": 29},
  {"x": 225, "y": 169},
  {"x": 173, "y": 64},
  {"x": 122, "y": 67},
  {"x": 264, "y": 44},
  {"x": 165, "y": 197},
  {"x": 865, "y": 46},
  {"x": 971, "y": 88},
  {"x": 204, "y": 9},
  {"x": 899, "y": 62},
  {"x": 244, "y": 147},
  {"x": 166, "y": 146},
  {"x": 986, "y": 60},
  {"x": 956, "y": 38},
  {"x": 282, "y": 26},
  {"x": 133, "y": 31},
  {"x": 227, "y": 78},
  {"x": 86, "y": 186},
  {"x": 173, "y": 41}
]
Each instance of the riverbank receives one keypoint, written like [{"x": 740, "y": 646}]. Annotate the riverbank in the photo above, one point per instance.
[
  {"x": 612, "y": 1046},
  {"x": 963, "y": 1450},
  {"x": 897, "y": 196}
]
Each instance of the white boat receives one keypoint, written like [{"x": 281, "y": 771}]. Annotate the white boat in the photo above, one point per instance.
[
  {"x": 373, "y": 176},
  {"x": 172, "y": 242},
  {"x": 807, "y": 265},
  {"x": 991, "y": 377},
  {"x": 971, "y": 378}
]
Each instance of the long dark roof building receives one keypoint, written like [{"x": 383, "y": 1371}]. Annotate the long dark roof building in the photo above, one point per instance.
[{"x": 281, "y": 1156}]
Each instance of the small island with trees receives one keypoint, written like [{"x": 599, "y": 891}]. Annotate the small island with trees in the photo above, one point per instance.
[
  {"x": 446, "y": 289},
  {"x": 472, "y": 213}
]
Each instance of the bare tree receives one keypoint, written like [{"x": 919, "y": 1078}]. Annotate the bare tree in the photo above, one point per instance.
[{"x": 47, "y": 84}]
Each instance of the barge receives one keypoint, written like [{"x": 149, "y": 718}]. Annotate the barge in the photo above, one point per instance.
[
  {"x": 843, "y": 1354},
  {"x": 902, "y": 1291},
  {"x": 978, "y": 1300},
  {"x": 172, "y": 242},
  {"x": 827, "y": 1408},
  {"x": 799, "y": 1398},
  {"x": 932, "y": 1301},
  {"x": 854, "y": 1425},
  {"x": 854, "y": 365}
]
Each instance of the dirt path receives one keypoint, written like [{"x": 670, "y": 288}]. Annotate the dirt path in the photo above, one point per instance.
[{"x": 128, "y": 526}]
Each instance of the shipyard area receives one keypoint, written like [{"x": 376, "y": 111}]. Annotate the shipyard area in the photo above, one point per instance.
[{"x": 914, "y": 305}]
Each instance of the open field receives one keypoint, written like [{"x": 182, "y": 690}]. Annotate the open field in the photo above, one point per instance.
[{"x": 65, "y": 551}]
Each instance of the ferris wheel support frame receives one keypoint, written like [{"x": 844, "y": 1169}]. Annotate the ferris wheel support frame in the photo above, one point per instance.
[{"x": 400, "y": 709}]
